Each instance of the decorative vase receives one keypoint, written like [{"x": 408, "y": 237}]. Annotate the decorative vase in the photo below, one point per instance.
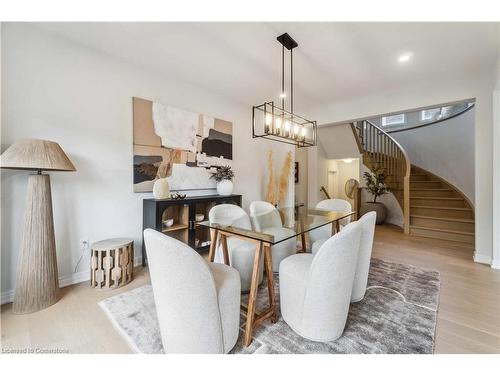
[
  {"x": 378, "y": 207},
  {"x": 225, "y": 187},
  {"x": 161, "y": 189}
]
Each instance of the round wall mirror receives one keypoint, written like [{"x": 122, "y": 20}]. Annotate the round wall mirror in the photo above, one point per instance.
[{"x": 351, "y": 186}]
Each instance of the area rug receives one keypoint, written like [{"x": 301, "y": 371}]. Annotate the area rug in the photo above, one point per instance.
[{"x": 397, "y": 315}]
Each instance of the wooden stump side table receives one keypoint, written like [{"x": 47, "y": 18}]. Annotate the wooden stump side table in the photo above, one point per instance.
[{"x": 111, "y": 263}]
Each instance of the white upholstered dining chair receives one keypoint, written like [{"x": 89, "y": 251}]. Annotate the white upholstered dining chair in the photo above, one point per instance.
[
  {"x": 197, "y": 303},
  {"x": 325, "y": 231},
  {"x": 315, "y": 290},
  {"x": 266, "y": 218},
  {"x": 241, "y": 253},
  {"x": 367, "y": 222}
]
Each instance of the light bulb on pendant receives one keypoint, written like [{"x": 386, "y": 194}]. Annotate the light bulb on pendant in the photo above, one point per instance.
[
  {"x": 287, "y": 128},
  {"x": 268, "y": 122},
  {"x": 277, "y": 122},
  {"x": 303, "y": 133},
  {"x": 295, "y": 130}
]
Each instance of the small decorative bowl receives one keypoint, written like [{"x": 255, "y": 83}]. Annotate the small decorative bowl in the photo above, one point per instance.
[
  {"x": 199, "y": 217},
  {"x": 168, "y": 223},
  {"x": 177, "y": 196}
]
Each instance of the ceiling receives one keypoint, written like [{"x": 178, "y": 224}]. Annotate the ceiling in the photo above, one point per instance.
[{"x": 334, "y": 61}]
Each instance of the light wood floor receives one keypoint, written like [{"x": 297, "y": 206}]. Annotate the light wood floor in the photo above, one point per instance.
[{"x": 468, "y": 316}]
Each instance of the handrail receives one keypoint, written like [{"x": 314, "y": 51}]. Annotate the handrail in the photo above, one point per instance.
[
  {"x": 325, "y": 192},
  {"x": 383, "y": 150},
  {"x": 402, "y": 129},
  {"x": 408, "y": 164}
]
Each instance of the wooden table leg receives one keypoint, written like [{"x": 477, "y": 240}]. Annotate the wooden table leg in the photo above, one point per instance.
[
  {"x": 225, "y": 254},
  {"x": 270, "y": 281},
  {"x": 302, "y": 236},
  {"x": 303, "y": 241},
  {"x": 213, "y": 244},
  {"x": 252, "y": 298},
  {"x": 335, "y": 227}
]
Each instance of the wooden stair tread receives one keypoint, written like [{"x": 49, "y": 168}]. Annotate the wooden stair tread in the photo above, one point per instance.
[
  {"x": 426, "y": 182},
  {"x": 443, "y": 218},
  {"x": 439, "y": 198},
  {"x": 443, "y": 230},
  {"x": 444, "y": 208},
  {"x": 427, "y": 189},
  {"x": 437, "y": 209}
]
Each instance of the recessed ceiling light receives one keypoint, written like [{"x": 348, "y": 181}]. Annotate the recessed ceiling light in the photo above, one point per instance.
[{"x": 405, "y": 57}]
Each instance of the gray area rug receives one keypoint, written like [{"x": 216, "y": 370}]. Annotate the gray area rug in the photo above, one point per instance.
[{"x": 397, "y": 315}]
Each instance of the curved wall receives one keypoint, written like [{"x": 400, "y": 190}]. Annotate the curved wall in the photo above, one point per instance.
[{"x": 445, "y": 149}]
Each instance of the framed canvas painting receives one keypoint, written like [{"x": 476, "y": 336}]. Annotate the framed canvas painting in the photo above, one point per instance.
[{"x": 181, "y": 145}]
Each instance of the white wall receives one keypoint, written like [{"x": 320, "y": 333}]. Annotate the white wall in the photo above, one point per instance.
[
  {"x": 445, "y": 149},
  {"x": 334, "y": 142},
  {"x": 81, "y": 98},
  {"x": 338, "y": 141},
  {"x": 496, "y": 162},
  {"x": 394, "y": 211},
  {"x": 428, "y": 93}
]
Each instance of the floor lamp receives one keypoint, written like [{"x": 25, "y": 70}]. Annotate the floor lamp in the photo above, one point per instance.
[{"x": 37, "y": 283}]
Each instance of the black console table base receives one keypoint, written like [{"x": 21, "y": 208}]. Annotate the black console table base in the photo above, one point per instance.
[{"x": 183, "y": 211}]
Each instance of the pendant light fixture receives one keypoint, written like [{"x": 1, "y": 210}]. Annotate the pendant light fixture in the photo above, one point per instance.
[{"x": 279, "y": 123}]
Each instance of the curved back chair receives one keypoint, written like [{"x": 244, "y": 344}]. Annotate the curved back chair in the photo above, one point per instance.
[
  {"x": 241, "y": 253},
  {"x": 367, "y": 222},
  {"x": 230, "y": 214},
  {"x": 315, "y": 291},
  {"x": 266, "y": 218},
  {"x": 197, "y": 303},
  {"x": 325, "y": 232},
  {"x": 264, "y": 215}
]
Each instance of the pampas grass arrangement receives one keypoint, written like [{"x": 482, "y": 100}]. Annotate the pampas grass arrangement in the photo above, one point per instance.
[
  {"x": 271, "y": 186},
  {"x": 277, "y": 190},
  {"x": 285, "y": 177}
]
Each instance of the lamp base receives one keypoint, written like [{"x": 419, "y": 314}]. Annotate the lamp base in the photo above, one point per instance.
[{"x": 37, "y": 285}]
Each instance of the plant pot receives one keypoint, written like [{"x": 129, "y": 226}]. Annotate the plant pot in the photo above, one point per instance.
[
  {"x": 225, "y": 187},
  {"x": 378, "y": 207}
]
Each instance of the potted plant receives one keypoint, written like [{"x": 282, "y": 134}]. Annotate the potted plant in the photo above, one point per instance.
[
  {"x": 224, "y": 178},
  {"x": 375, "y": 184}
]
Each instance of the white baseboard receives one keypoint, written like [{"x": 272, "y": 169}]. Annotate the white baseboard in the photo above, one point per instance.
[
  {"x": 495, "y": 264},
  {"x": 480, "y": 258},
  {"x": 74, "y": 278},
  {"x": 7, "y": 296}
]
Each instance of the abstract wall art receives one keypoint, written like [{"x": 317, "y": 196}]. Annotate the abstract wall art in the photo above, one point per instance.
[{"x": 178, "y": 144}]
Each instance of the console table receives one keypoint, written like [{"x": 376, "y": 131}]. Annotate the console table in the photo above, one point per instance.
[{"x": 156, "y": 213}]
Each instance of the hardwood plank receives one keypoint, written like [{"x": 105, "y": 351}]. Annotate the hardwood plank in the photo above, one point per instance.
[{"x": 468, "y": 315}]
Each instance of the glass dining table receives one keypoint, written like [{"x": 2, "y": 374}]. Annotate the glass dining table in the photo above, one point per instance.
[{"x": 300, "y": 220}]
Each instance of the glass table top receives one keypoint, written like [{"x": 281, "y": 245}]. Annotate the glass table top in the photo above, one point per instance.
[{"x": 294, "y": 222}]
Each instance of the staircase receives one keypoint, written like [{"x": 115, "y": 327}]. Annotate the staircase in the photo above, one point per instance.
[{"x": 431, "y": 206}]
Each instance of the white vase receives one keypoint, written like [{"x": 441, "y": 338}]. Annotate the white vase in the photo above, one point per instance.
[
  {"x": 225, "y": 187},
  {"x": 161, "y": 189}
]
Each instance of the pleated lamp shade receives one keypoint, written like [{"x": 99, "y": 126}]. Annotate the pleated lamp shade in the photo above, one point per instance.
[{"x": 37, "y": 154}]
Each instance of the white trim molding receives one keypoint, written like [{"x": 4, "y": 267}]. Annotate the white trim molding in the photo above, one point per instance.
[
  {"x": 481, "y": 258},
  {"x": 74, "y": 278},
  {"x": 495, "y": 264}
]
